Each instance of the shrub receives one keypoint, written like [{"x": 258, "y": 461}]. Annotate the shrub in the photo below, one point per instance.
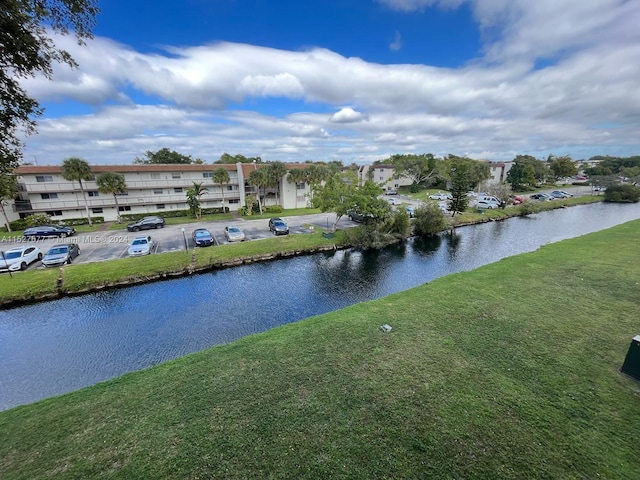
[
  {"x": 528, "y": 208},
  {"x": 274, "y": 209},
  {"x": 622, "y": 194},
  {"x": 429, "y": 220}
]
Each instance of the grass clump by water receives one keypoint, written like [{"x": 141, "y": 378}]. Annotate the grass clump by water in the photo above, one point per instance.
[{"x": 508, "y": 371}]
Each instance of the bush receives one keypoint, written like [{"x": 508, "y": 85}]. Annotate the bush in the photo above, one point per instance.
[
  {"x": 622, "y": 194},
  {"x": 274, "y": 209},
  {"x": 429, "y": 220},
  {"x": 414, "y": 188},
  {"x": 368, "y": 236},
  {"x": 528, "y": 208}
]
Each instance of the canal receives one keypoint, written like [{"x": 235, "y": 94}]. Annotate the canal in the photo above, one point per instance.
[{"x": 55, "y": 347}]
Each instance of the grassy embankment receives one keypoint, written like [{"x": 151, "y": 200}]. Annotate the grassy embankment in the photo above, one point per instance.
[
  {"x": 508, "y": 371},
  {"x": 34, "y": 284}
]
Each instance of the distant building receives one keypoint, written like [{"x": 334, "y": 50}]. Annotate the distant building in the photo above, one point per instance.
[{"x": 383, "y": 176}]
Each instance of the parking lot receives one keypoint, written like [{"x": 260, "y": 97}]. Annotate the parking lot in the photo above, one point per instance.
[{"x": 110, "y": 244}]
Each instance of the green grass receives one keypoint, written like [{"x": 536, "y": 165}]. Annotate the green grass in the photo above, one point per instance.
[{"x": 509, "y": 371}]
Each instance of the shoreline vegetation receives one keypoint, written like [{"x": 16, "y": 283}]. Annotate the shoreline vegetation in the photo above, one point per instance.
[
  {"x": 42, "y": 285},
  {"x": 508, "y": 371}
]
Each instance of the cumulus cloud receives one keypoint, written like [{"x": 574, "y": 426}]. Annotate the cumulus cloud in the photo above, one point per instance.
[
  {"x": 584, "y": 97},
  {"x": 348, "y": 115}
]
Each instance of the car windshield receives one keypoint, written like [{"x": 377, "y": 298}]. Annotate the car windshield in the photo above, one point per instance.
[
  {"x": 234, "y": 230},
  {"x": 139, "y": 241},
  {"x": 58, "y": 250},
  {"x": 202, "y": 233},
  {"x": 279, "y": 223},
  {"x": 15, "y": 254}
]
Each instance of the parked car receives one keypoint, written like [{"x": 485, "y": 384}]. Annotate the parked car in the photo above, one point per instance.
[
  {"x": 561, "y": 194},
  {"x": 392, "y": 201},
  {"x": 487, "y": 205},
  {"x": 356, "y": 215},
  {"x": 390, "y": 191},
  {"x": 233, "y": 233},
  {"x": 518, "y": 199},
  {"x": 202, "y": 237},
  {"x": 19, "y": 258},
  {"x": 278, "y": 227},
  {"x": 146, "y": 223},
  {"x": 61, "y": 254},
  {"x": 410, "y": 211},
  {"x": 141, "y": 246},
  {"x": 541, "y": 196},
  {"x": 440, "y": 196},
  {"x": 49, "y": 231}
]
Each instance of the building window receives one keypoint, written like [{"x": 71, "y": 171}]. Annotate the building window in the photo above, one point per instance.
[
  {"x": 381, "y": 179},
  {"x": 176, "y": 176},
  {"x": 54, "y": 213},
  {"x": 229, "y": 188},
  {"x": 207, "y": 174},
  {"x": 122, "y": 194},
  {"x": 44, "y": 178},
  {"x": 301, "y": 186},
  {"x": 96, "y": 210},
  {"x": 160, "y": 206},
  {"x": 155, "y": 176},
  {"x": 47, "y": 196},
  {"x": 124, "y": 208},
  {"x": 234, "y": 200},
  {"x": 177, "y": 190},
  {"x": 93, "y": 193},
  {"x": 157, "y": 191}
]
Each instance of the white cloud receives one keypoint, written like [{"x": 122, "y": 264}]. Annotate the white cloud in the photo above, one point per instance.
[
  {"x": 348, "y": 115},
  {"x": 397, "y": 43},
  {"x": 585, "y": 100}
]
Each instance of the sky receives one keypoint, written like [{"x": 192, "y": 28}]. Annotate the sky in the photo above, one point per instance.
[{"x": 349, "y": 80}]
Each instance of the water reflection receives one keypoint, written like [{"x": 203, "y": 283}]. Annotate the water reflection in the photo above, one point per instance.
[{"x": 62, "y": 345}]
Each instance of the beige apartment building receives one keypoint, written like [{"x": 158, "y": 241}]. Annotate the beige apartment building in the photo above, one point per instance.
[{"x": 152, "y": 189}]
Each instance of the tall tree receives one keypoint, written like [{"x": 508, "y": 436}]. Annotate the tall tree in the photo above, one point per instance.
[
  {"x": 316, "y": 174},
  {"x": 26, "y": 49},
  {"x": 77, "y": 169},
  {"x": 275, "y": 172},
  {"x": 113, "y": 183},
  {"x": 459, "y": 187},
  {"x": 526, "y": 172},
  {"x": 259, "y": 179},
  {"x": 221, "y": 177},
  {"x": 422, "y": 169},
  {"x": 8, "y": 191},
  {"x": 193, "y": 198},
  {"x": 163, "y": 156},
  {"x": 563, "y": 166}
]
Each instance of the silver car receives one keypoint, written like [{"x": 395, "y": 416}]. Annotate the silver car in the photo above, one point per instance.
[
  {"x": 233, "y": 233},
  {"x": 61, "y": 254},
  {"x": 141, "y": 246}
]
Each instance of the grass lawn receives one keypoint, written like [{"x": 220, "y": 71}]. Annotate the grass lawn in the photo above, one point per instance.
[{"x": 509, "y": 371}]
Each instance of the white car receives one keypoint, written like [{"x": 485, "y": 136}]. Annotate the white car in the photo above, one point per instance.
[
  {"x": 440, "y": 196},
  {"x": 19, "y": 258},
  {"x": 486, "y": 204},
  {"x": 141, "y": 246}
]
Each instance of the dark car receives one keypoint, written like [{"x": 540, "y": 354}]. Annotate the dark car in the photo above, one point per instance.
[
  {"x": 278, "y": 227},
  {"x": 61, "y": 254},
  {"x": 357, "y": 216},
  {"x": 146, "y": 223},
  {"x": 202, "y": 237},
  {"x": 49, "y": 231}
]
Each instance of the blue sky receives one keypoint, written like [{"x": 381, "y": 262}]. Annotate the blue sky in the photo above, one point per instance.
[{"x": 351, "y": 80}]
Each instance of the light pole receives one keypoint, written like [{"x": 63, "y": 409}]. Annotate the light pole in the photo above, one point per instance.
[{"x": 186, "y": 246}]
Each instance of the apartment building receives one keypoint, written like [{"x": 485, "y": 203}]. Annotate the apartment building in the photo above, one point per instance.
[
  {"x": 383, "y": 176},
  {"x": 151, "y": 189},
  {"x": 498, "y": 171}
]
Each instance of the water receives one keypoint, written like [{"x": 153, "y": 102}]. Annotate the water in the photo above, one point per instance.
[{"x": 59, "y": 346}]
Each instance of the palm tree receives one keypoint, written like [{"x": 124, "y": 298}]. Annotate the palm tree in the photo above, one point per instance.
[
  {"x": 193, "y": 198},
  {"x": 221, "y": 176},
  {"x": 114, "y": 183},
  {"x": 296, "y": 176},
  {"x": 73, "y": 169},
  {"x": 8, "y": 191},
  {"x": 275, "y": 172},
  {"x": 316, "y": 174},
  {"x": 259, "y": 179}
]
